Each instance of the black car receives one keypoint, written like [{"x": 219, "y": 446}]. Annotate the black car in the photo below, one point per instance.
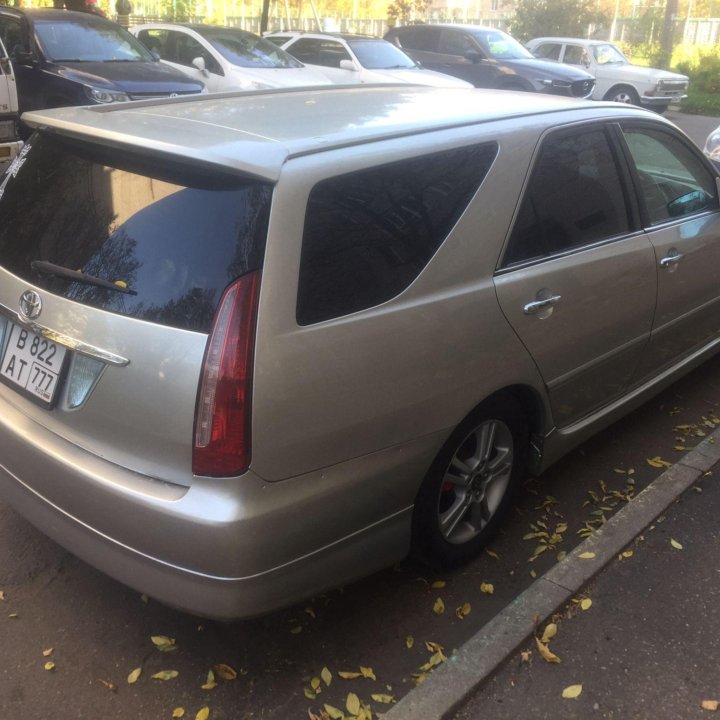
[
  {"x": 64, "y": 58},
  {"x": 488, "y": 58}
]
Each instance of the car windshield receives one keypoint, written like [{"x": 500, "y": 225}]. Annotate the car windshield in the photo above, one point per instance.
[
  {"x": 248, "y": 50},
  {"x": 379, "y": 55},
  {"x": 608, "y": 55},
  {"x": 500, "y": 45},
  {"x": 91, "y": 39}
]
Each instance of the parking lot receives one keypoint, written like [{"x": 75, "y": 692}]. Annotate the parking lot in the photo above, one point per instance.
[{"x": 381, "y": 632}]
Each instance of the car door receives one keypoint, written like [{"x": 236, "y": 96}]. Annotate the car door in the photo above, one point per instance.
[
  {"x": 577, "y": 280},
  {"x": 681, "y": 214},
  {"x": 28, "y": 76},
  {"x": 459, "y": 54}
]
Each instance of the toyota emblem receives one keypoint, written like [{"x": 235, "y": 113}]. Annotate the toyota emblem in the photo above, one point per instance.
[{"x": 30, "y": 305}]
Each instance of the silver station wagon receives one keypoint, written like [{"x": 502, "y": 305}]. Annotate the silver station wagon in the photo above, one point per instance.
[{"x": 256, "y": 345}]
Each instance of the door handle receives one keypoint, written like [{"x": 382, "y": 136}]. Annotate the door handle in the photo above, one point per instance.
[
  {"x": 671, "y": 259},
  {"x": 536, "y": 305}
]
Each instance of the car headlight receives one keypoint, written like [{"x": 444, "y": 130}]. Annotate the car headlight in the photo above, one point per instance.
[
  {"x": 712, "y": 146},
  {"x": 100, "y": 95}
]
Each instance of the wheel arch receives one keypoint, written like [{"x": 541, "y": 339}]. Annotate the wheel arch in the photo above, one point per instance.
[{"x": 621, "y": 86}]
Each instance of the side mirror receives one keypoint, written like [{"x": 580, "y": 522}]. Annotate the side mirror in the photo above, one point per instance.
[
  {"x": 473, "y": 56},
  {"x": 155, "y": 55},
  {"x": 199, "y": 63},
  {"x": 348, "y": 65},
  {"x": 689, "y": 203}
]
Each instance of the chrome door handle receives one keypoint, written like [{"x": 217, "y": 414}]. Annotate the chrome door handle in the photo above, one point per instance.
[
  {"x": 536, "y": 305},
  {"x": 670, "y": 260}
]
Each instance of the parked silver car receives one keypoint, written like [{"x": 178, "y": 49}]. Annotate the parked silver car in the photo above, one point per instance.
[{"x": 255, "y": 346}]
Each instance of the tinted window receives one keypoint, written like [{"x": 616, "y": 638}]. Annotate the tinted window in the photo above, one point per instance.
[
  {"x": 369, "y": 234},
  {"x": 379, "y": 55},
  {"x": 455, "y": 42},
  {"x": 176, "y": 240},
  {"x": 328, "y": 53},
  {"x": 418, "y": 38},
  {"x": 674, "y": 181},
  {"x": 11, "y": 34},
  {"x": 574, "y": 197}
]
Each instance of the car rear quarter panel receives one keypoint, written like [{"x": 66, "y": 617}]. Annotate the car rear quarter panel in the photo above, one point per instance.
[{"x": 408, "y": 368}]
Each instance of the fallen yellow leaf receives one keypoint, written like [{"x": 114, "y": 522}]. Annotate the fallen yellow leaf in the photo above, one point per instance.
[
  {"x": 658, "y": 462},
  {"x": 549, "y": 633},
  {"x": 546, "y": 653},
  {"x": 676, "y": 544},
  {"x": 349, "y": 675},
  {"x": 572, "y": 691},
  {"x": 164, "y": 643},
  {"x": 210, "y": 682},
  {"x": 493, "y": 554},
  {"x": 309, "y": 694},
  {"x": 586, "y": 603},
  {"x": 367, "y": 672},
  {"x": 710, "y": 705},
  {"x": 165, "y": 675},
  {"x": 439, "y": 607},
  {"x": 315, "y": 683},
  {"x": 2, "y": 594},
  {"x": 203, "y": 713},
  {"x": 50, "y": 665},
  {"x": 463, "y": 611},
  {"x": 352, "y": 703},
  {"x": 487, "y": 588},
  {"x": 326, "y": 675},
  {"x": 409, "y": 641},
  {"x": 225, "y": 671},
  {"x": 438, "y": 584},
  {"x": 134, "y": 675},
  {"x": 587, "y": 555},
  {"x": 561, "y": 555},
  {"x": 333, "y": 712},
  {"x": 627, "y": 554},
  {"x": 48, "y": 652},
  {"x": 178, "y": 712},
  {"x": 383, "y": 698}
]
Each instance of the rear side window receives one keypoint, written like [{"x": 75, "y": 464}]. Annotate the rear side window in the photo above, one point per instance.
[
  {"x": 176, "y": 240},
  {"x": 575, "y": 197},
  {"x": 369, "y": 234}
]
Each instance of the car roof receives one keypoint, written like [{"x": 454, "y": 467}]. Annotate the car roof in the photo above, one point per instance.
[
  {"x": 455, "y": 26},
  {"x": 310, "y": 33},
  {"x": 583, "y": 41},
  {"x": 248, "y": 132}
]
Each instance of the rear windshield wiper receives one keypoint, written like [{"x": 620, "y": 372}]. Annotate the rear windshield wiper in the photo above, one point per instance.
[{"x": 48, "y": 268}]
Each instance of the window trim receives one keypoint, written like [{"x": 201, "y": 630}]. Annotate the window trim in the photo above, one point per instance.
[{"x": 628, "y": 192}]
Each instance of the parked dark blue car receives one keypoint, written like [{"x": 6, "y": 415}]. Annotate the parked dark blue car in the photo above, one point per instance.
[{"x": 64, "y": 58}]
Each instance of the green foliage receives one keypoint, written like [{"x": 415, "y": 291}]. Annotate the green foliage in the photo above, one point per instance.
[
  {"x": 541, "y": 18},
  {"x": 404, "y": 11},
  {"x": 179, "y": 10}
]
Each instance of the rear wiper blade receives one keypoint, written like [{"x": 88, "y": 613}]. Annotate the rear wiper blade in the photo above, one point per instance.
[{"x": 48, "y": 268}]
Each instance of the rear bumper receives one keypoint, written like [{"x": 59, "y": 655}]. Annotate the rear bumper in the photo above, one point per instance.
[{"x": 221, "y": 548}]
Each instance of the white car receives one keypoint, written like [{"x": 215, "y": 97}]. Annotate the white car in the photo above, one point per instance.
[
  {"x": 226, "y": 58},
  {"x": 345, "y": 58},
  {"x": 10, "y": 143},
  {"x": 616, "y": 77}
]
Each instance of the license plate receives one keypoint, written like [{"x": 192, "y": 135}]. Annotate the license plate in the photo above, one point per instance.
[{"x": 32, "y": 363}]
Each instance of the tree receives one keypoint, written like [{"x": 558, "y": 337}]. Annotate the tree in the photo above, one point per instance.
[{"x": 542, "y": 18}]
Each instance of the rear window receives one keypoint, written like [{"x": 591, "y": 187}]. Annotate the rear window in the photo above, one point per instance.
[{"x": 174, "y": 236}]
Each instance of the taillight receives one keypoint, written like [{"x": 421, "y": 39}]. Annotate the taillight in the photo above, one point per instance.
[{"x": 222, "y": 415}]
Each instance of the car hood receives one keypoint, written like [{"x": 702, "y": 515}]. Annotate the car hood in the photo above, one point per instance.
[
  {"x": 128, "y": 77},
  {"x": 280, "y": 77},
  {"x": 638, "y": 72},
  {"x": 530, "y": 67},
  {"x": 418, "y": 76}
]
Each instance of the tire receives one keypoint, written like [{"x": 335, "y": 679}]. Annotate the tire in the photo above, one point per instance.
[
  {"x": 471, "y": 484},
  {"x": 623, "y": 94}
]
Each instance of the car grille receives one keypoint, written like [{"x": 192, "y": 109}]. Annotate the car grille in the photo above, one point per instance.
[
  {"x": 579, "y": 88},
  {"x": 672, "y": 88}
]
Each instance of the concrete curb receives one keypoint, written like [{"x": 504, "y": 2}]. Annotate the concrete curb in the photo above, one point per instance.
[{"x": 445, "y": 691}]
